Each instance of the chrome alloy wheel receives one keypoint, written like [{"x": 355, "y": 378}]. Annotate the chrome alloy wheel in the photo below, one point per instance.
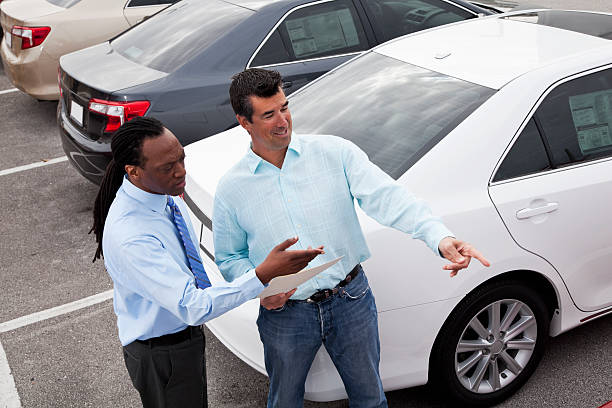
[{"x": 495, "y": 346}]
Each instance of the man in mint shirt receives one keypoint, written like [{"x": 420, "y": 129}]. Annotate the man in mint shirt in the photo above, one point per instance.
[{"x": 304, "y": 186}]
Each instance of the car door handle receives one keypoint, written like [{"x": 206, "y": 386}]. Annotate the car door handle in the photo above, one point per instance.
[
  {"x": 532, "y": 212},
  {"x": 287, "y": 84}
]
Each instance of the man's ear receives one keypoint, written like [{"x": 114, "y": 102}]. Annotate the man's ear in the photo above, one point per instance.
[
  {"x": 132, "y": 171},
  {"x": 244, "y": 122}
]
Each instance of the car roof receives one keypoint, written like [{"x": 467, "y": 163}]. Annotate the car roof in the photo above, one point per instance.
[
  {"x": 494, "y": 50},
  {"x": 252, "y": 4},
  {"x": 259, "y": 4}
]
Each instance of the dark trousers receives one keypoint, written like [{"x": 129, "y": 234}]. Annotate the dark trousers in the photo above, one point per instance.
[{"x": 169, "y": 372}]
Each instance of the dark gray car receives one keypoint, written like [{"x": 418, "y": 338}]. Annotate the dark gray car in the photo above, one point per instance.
[{"x": 178, "y": 64}]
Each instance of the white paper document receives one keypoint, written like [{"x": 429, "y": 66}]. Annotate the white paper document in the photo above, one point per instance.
[{"x": 285, "y": 283}]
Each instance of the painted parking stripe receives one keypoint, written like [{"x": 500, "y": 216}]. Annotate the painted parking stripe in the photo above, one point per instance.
[
  {"x": 8, "y": 91},
  {"x": 9, "y": 398},
  {"x": 607, "y": 405},
  {"x": 8, "y": 392},
  {"x": 33, "y": 165},
  {"x": 55, "y": 311}
]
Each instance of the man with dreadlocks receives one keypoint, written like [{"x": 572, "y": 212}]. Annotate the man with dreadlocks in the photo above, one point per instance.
[{"x": 161, "y": 292}]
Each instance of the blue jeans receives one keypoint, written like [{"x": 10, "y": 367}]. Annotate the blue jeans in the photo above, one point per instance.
[{"x": 346, "y": 324}]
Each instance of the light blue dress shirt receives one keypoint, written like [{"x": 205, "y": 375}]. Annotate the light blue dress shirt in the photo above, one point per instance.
[
  {"x": 154, "y": 289},
  {"x": 257, "y": 206}
]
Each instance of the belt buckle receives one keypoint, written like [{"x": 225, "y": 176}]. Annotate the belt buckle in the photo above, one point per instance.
[
  {"x": 318, "y": 296},
  {"x": 324, "y": 294}
]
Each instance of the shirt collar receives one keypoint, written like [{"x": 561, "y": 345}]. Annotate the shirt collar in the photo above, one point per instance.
[
  {"x": 253, "y": 160},
  {"x": 155, "y": 202}
]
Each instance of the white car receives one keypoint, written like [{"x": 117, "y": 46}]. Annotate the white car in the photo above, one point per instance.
[{"x": 504, "y": 125}]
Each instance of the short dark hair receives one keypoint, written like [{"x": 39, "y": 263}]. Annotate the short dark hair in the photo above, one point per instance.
[
  {"x": 259, "y": 82},
  {"x": 126, "y": 146}
]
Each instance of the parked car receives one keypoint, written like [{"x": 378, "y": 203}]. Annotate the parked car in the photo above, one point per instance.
[
  {"x": 508, "y": 136},
  {"x": 39, "y": 32},
  {"x": 177, "y": 65},
  {"x": 1, "y": 32}
]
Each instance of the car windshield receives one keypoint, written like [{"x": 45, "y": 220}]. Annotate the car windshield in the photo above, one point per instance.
[
  {"x": 396, "y": 112},
  {"x": 63, "y": 3},
  {"x": 171, "y": 37}
]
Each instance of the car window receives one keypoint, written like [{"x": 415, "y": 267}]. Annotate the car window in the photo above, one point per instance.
[
  {"x": 140, "y": 3},
  {"x": 170, "y": 38},
  {"x": 393, "y": 18},
  {"x": 273, "y": 52},
  {"x": 320, "y": 30},
  {"x": 64, "y": 3},
  {"x": 396, "y": 112},
  {"x": 527, "y": 155},
  {"x": 576, "y": 119}
]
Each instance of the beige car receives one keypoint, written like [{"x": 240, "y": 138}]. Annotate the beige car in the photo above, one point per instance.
[{"x": 38, "y": 32}]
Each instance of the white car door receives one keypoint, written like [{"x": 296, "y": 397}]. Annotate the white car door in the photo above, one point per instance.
[{"x": 553, "y": 188}]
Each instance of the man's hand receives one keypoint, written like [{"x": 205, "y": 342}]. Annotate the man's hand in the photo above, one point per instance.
[
  {"x": 282, "y": 262},
  {"x": 276, "y": 301},
  {"x": 460, "y": 254}
]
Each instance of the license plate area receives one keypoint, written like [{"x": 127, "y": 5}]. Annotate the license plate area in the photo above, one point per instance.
[{"x": 76, "y": 112}]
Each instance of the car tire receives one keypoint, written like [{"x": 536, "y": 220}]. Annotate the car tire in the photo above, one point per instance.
[{"x": 490, "y": 344}]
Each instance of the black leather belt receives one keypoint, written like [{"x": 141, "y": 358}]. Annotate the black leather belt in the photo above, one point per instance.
[
  {"x": 327, "y": 293},
  {"x": 173, "y": 338}
]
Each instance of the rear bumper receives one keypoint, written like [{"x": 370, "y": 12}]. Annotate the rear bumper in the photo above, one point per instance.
[
  {"x": 33, "y": 71},
  {"x": 89, "y": 157}
]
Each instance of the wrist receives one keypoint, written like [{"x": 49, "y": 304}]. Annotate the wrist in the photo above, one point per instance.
[
  {"x": 262, "y": 274},
  {"x": 441, "y": 246}
]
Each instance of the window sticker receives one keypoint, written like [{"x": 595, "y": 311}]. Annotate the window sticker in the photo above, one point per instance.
[
  {"x": 592, "y": 116},
  {"x": 323, "y": 32}
]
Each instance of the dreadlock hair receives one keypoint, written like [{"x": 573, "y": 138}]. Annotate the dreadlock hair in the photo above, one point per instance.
[
  {"x": 259, "y": 82},
  {"x": 126, "y": 147}
]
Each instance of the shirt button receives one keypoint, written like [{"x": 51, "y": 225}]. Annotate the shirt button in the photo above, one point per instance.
[
  {"x": 299, "y": 225},
  {"x": 288, "y": 200}
]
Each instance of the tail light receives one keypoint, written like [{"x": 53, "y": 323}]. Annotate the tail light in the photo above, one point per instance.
[
  {"x": 30, "y": 36},
  {"x": 117, "y": 113}
]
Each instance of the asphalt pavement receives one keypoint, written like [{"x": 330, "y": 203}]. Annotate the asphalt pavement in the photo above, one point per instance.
[{"x": 75, "y": 360}]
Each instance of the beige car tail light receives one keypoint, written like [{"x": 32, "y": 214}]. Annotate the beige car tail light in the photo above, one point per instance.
[{"x": 30, "y": 36}]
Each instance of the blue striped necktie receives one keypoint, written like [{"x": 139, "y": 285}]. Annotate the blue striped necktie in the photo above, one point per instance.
[{"x": 195, "y": 262}]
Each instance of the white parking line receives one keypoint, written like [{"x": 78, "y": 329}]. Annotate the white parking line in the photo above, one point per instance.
[
  {"x": 33, "y": 165},
  {"x": 54, "y": 312},
  {"x": 9, "y": 398},
  {"x": 5, "y": 92}
]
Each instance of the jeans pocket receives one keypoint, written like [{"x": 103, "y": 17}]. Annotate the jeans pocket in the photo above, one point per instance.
[
  {"x": 279, "y": 309},
  {"x": 356, "y": 293}
]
